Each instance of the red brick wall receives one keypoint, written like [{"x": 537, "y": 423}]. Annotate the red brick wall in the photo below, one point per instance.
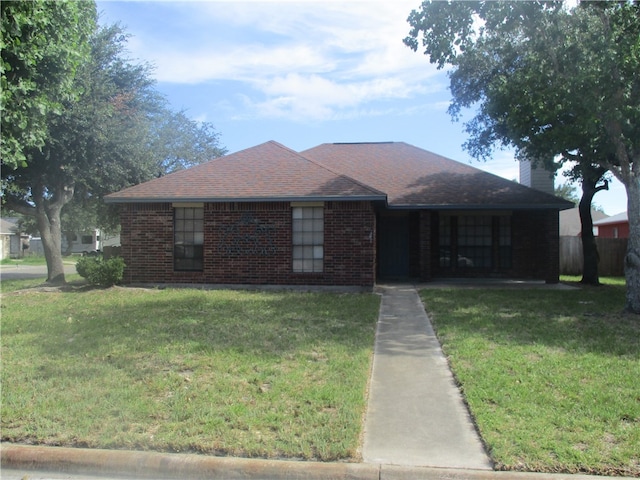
[
  {"x": 536, "y": 245},
  {"x": 614, "y": 230},
  {"x": 250, "y": 243}
]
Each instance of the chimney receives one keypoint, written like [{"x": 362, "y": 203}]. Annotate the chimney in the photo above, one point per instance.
[{"x": 537, "y": 178}]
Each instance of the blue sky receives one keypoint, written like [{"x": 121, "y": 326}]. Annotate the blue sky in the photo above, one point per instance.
[{"x": 302, "y": 74}]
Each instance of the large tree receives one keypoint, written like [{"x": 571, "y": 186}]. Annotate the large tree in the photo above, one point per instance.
[
  {"x": 43, "y": 43},
  {"x": 112, "y": 135},
  {"x": 560, "y": 84}
]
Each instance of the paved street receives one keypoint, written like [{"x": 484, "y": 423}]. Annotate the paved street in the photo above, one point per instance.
[
  {"x": 23, "y": 272},
  {"x": 10, "y": 474}
]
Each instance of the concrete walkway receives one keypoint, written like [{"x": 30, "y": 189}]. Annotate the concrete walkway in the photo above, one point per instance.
[{"x": 416, "y": 415}]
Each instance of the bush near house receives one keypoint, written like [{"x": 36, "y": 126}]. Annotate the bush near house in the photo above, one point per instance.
[{"x": 99, "y": 271}]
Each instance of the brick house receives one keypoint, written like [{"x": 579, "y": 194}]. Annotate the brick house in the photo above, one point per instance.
[
  {"x": 616, "y": 226},
  {"x": 337, "y": 214}
]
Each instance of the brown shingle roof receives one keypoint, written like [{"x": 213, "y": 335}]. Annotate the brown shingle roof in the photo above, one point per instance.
[
  {"x": 268, "y": 171},
  {"x": 403, "y": 175},
  {"x": 411, "y": 177}
]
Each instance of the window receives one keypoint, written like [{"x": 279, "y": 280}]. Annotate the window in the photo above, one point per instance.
[
  {"x": 475, "y": 241},
  {"x": 445, "y": 241},
  {"x": 188, "y": 241},
  {"x": 504, "y": 242},
  {"x": 308, "y": 239}
]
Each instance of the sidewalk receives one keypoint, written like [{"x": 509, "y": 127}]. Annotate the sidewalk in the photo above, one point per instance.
[{"x": 416, "y": 415}]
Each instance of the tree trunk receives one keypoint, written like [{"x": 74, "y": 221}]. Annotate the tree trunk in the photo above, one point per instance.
[
  {"x": 47, "y": 212},
  {"x": 48, "y": 221},
  {"x": 632, "y": 258},
  {"x": 590, "y": 255}
]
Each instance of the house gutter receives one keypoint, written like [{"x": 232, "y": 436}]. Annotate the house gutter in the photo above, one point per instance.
[
  {"x": 526, "y": 206},
  {"x": 337, "y": 198}
]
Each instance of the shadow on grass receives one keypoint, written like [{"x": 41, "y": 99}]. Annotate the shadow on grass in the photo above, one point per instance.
[{"x": 585, "y": 320}]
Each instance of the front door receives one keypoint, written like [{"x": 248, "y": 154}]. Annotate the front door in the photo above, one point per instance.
[{"x": 393, "y": 246}]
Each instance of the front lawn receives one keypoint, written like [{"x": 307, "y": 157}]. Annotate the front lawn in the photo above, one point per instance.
[
  {"x": 552, "y": 377},
  {"x": 252, "y": 374}
]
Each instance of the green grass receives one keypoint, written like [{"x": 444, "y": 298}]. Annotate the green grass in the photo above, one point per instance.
[
  {"x": 551, "y": 377},
  {"x": 7, "y": 286},
  {"x": 620, "y": 281},
  {"x": 275, "y": 375}
]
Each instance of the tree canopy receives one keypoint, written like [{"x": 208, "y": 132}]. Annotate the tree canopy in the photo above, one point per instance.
[
  {"x": 115, "y": 132},
  {"x": 43, "y": 43},
  {"x": 558, "y": 84}
]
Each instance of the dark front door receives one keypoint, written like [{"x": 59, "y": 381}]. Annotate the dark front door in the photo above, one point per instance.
[{"x": 393, "y": 246}]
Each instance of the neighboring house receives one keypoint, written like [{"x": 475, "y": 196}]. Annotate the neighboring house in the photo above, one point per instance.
[
  {"x": 12, "y": 243},
  {"x": 616, "y": 226},
  {"x": 337, "y": 214},
  {"x": 570, "y": 225},
  {"x": 7, "y": 232}
]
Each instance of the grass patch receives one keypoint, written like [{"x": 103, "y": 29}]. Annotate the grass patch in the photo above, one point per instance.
[
  {"x": 620, "y": 281},
  {"x": 8, "y": 286},
  {"x": 551, "y": 377},
  {"x": 255, "y": 374}
]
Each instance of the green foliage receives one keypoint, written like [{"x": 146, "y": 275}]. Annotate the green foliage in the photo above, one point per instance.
[
  {"x": 546, "y": 79},
  {"x": 43, "y": 43},
  {"x": 568, "y": 192},
  {"x": 99, "y": 271},
  {"x": 116, "y": 131}
]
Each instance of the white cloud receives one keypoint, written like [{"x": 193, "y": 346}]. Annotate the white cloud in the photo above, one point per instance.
[{"x": 307, "y": 60}]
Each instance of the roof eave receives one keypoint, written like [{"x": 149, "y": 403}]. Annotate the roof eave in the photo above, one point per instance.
[
  {"x": 478, "y": 207},
  {"x": 315, "y": 198}
]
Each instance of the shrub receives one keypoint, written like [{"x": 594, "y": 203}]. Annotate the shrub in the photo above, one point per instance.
[{"x": 99, "y": 271}]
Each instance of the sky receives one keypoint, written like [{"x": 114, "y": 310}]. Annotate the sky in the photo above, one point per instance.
[{"x": 304, "y": 73}]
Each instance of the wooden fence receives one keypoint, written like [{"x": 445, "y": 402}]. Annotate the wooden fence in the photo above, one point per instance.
[{"x": 611, "y": 250}]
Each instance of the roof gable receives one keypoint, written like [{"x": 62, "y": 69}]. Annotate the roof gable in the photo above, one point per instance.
[
  {"x": 269, "y": 171},
  {"x": 413, "y": 177}
]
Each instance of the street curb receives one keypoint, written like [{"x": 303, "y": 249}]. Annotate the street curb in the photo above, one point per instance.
[
  {"x": 174, "y": 466},
  {"x": 191, "y": 466}
]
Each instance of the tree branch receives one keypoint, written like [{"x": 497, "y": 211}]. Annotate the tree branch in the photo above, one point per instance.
[{"x": 605, "y": 186}]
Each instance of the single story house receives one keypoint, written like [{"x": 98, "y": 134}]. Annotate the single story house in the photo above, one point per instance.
[
  {"x": 616, "y": 226},
  {"x": 570, "y": 224},
  {"x": 13, "y": 243},
  {"x": 344, "y": 214}
]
